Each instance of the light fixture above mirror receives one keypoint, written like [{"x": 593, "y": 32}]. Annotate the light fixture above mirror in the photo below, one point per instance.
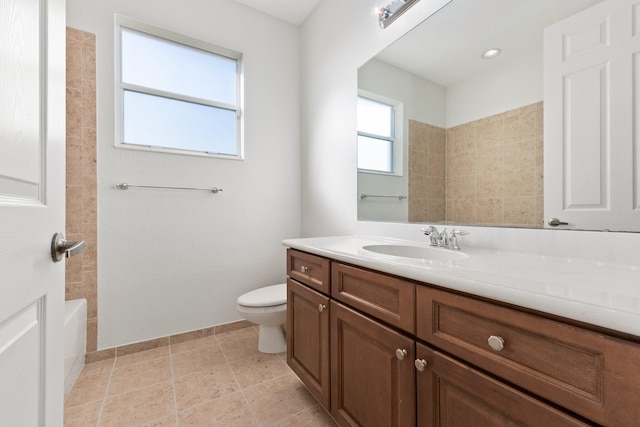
[{"x": 393, "y": 10}]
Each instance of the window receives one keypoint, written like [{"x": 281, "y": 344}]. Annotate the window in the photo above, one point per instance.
[
  {"x": 176, "y": 94},
  {"x": 376, "y": 135}
]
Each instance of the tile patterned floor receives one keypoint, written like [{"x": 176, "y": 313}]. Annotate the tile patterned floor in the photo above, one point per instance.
[{"x": 220, "y": 380}]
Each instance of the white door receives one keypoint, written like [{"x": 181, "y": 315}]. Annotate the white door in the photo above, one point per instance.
[
  {"x": 32, "y": 185},
  {"x": 591, "y": 90}
]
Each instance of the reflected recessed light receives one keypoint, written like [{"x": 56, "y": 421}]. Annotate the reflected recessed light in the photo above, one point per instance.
[{"x": 491, "y": 53}]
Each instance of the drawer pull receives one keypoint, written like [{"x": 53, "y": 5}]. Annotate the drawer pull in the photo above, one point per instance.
[
  {"x": 321, "y": 307},
  {"x": 421, "y": 364},
  {"x": 496, "y": 343},
  {"x": 401, "y": 353},
  {"x": 304, "y": 269}
]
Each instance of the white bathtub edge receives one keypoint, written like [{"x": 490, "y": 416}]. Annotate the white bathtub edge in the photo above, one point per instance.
[{"x": 75, "y": 341}]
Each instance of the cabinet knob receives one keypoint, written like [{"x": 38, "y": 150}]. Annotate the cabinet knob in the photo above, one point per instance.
[
  {"x": 401, "y": 353},
  {"x": 496, "y": 343},
  {"x": 321, "y": 307},
  {"x": 421, "y": 364},
  {"x": 304, "y": 269}
]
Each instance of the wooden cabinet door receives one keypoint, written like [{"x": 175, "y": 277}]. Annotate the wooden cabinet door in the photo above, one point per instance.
[
  {"x": 372, "y": 373},
  {"x": 452, "y": 394},
  {"x": 308, "y": 339}
]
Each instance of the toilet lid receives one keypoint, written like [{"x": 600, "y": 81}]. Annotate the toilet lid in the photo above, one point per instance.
[{"x": 265, "y": 297}]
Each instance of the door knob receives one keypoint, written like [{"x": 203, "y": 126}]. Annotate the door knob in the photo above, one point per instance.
[
  {"x": 554, "y": 222},
  {"x": 401, "y": 353},
  {"x": 60, "y": 248}
]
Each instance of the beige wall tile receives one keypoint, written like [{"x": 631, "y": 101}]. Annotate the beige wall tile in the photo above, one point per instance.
[
  {"x": 490, "y": 185},
  {"x": 81, "y": 172},
  {"x": 74, "y": 161},
  {"x": 89, "y": 161},
  {"x": 418, "y": 163},
  {"x": 435, "y": 210},
  {"x": 88, "y": 62},
  {"x": 74, "y": 112},
  {"x": 520, "y": 124},
  {"x": 490, "y": 159},
  {"x": 490, "y": 211},
  {"x": 466, "y": 210},
  {"x": 519, "y": 210},
  {"x": 74, "y": 57},
  {"x": 90, "y": 236}
]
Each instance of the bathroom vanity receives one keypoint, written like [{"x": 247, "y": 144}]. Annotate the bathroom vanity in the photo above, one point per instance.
[{"x": 462, "y": 338}]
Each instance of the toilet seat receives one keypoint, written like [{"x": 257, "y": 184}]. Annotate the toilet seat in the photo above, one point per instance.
[{"x": 265, "y": 297}]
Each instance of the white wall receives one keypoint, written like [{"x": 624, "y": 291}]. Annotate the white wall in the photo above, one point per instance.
[
  {"x": 338, "y": 38},
  {"x": 511, "y": 83},
  {"x": 170, "y": 261}
]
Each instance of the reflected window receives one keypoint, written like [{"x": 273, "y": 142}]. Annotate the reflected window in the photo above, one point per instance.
[
  {"x": 177, "y": 94},
  {"x": 376, "y": 135}
]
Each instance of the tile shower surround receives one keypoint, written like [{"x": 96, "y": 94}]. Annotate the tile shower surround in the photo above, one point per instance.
[
  {"x": 81, "y": 191},
  {"x": 493, "y": 173},
  {"x": 216, "y": 380}
]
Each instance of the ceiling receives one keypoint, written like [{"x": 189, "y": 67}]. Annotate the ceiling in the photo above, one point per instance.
[
  {"x": 292, "y": 11},
  {"x": 446, "y": 48}
]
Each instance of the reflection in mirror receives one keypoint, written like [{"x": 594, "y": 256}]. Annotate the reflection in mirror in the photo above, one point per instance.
[{"x": 472, "y": 139}]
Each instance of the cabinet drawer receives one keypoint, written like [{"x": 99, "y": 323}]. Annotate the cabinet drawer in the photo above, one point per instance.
[
  {"x": 451, "y": 393},
  {"x": 309, "y": 269},
  {"x": 586, "y": 372},
  {"x": 386, "y": 298}
]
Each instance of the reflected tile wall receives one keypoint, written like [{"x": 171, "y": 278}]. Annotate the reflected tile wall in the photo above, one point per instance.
[
  {"x": 426, "y": 172},
  {"x": 487, "y": 172},
  {"x": 81, "y": 220},
  {"x": 494, "y": 172}
]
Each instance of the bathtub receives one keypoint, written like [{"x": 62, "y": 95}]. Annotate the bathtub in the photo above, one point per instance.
[{"x": 75, "y": 338}]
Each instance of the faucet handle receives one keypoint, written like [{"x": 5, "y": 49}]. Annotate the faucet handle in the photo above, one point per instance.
[{"x": 453, "y": 242}]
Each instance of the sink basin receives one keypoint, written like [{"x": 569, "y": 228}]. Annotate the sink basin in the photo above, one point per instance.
[{"x": 420, "y": 252}]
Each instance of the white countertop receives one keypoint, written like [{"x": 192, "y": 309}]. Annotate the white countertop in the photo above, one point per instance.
[{"x": 601, "y": 294}]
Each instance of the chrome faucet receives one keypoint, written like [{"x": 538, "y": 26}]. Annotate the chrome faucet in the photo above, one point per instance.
[
  {"x": 434, "y": 235},
  {"x": 444, "y": 239}
]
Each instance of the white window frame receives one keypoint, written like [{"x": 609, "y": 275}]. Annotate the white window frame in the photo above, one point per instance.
[
  {"x": 189, "y": 42},
  {"x": 397, "y": 142}
]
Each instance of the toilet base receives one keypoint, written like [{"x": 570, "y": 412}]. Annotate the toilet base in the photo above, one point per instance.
[{"x": 271, "y": 339}]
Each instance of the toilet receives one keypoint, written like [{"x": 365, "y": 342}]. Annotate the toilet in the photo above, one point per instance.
[{"x": 267, "y": 307}]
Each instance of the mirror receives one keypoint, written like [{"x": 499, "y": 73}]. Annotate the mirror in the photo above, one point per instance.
[{"x": 470, "y": 135}]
